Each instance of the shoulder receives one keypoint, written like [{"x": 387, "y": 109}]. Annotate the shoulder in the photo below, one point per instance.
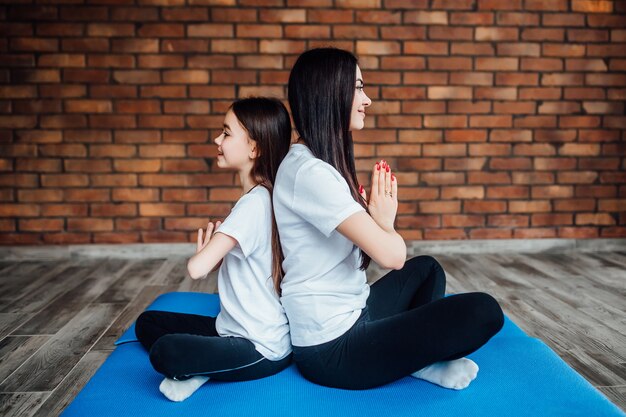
[{"x": 258, "y": 197}]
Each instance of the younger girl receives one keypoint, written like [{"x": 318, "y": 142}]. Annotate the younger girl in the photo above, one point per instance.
[{"x": 249, "y": 339}]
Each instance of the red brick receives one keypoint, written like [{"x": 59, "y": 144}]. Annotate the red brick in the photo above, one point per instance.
[
  {"x": 62, "y": 60},
  {"x": 34, "y": 44},
  {"x": 466, "y": 48},
  {"x": 85, "y": 136},
  {"x": 561, "y": 79},
  {"x": 184, "y": 14},
  {"x": 19, "y": 210},
  {"x": 307, "y": 31},
  {"x": 415, "y": 136},
  {"x": 357, "y": 32},
  {"x": 508, "y": 192},
  {"x": 517, "y": 19},
  {"x": 135, "y": 45},
  {"x": 443, "y": 178},
  {"x": 586, "y": 65},
  {"x": 535, "y": 206},
  {"x": 596, "y": 191},
  {"x": 490, "y": 121},
  {"x": 416, "y": 164},
  {"x": 445, "y": 121},
  {"x": 260, "y": 61},
  {"x": 377, "y": 48},
  {"x": 496, "y": 34},
  {"x": 550, "y": 164},
  {"x": 455, "y": 63},
  {"x": 450, "y": 33},
  {"x": 114, "y": 210},
  {"x": 612, "y": 205},
  {"x": 508, "y": 220},
  {"x": 489, "y": 149},
  {"x": 85, "y": 194},
  {"x": 164, "y": 122},
  {"x": 465, "y": 135},
  {"x": 135, "y": 194},
  {"x": 113, "y": 180},
  {"x": 89, "y": 225},
  {"x": 137, "y": 165},
  {"x": 87, "y": 165},
  {"x": 56, "y": 210},
  {"x": 496, "y": 93},
  {"x": 599, "y": 219},
  {"x": 138, "y": 224},
  {"x": 54, "y": 29},
  {"x": 64, "y": 180},
  {"x": 110, "y": 29},
  {"x": 488, "y": 178},
  {"x": 369, "y": 16},
  {"x": 497, "y": 64},
  {"x": 399, "y": 121},
  {"x": 471, "y": 19},
  {"x": 507, "y": 164},
  {"x": 533, "y": 177},
  {"x": 579, "y": 177},
  {"x": 475, "y": 192},
  {"x": 426, "y": 17},
  {"x": 438, "y": 234},
  {"x": 436, "y": 93},
  {"x": 541, "y": 64},
  {"x": 116, "y": 237},
  {"x": 161, "y": 209},
  {"x": 40, "y": 225},
  {"x": 347, "y": 16},
  {"x": 39, "y": 196},
  {"x": 84, "y": 76},
  {"x": 185, "y": 195},
  {"x": 576, "y": 149},
  {"x": 484, "y": 206}
]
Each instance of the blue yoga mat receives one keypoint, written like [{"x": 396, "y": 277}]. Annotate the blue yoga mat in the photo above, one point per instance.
[{"x": 519, "y": 376}]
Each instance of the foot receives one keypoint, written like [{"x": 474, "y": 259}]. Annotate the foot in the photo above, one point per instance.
[
  {"x": 181, "y": 390},
  {"x": 456, "y": 374}
]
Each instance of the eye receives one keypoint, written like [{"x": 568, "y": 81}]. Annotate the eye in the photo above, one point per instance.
[{"x": 225, "y": 133}]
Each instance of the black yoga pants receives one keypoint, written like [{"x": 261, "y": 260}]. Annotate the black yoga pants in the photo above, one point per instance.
[
  {"x": 406, "y": 326},
  {"x": 185, "y": 345}
]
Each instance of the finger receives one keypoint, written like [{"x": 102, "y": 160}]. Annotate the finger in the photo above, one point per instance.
[
  {"x": 394, "y": 186},
  {"x": 217, "y": 225},
  {"x": 209, "y": 231},
  {"x": 381, "y": 182},
  {"x": 199, "y": 238},
  {"x": 375, "y": 174},
  {"x": 388, "y": 178},
  {"x": 362, "y": 193}
]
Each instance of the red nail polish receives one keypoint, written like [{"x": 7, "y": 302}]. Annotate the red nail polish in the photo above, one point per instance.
[
  {"x": 393, "y": 177},
  {"x": 360, "y": 189},
  {"x": 387, "y": 168},
  {"x": 377, "y": 167}
]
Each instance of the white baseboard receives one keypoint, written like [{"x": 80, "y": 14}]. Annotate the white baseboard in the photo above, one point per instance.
[{"x": 433, "y": 247}]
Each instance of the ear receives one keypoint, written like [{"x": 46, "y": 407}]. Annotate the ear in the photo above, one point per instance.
[{"x": 254, "y": 152}]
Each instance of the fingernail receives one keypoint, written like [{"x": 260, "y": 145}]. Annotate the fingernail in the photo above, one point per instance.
[
  {"x": 360, "y": 189},
  {"x": 387, "y": 168},
  {"x": 377, "y": 167},
  {"x": 393, "y": 177}
]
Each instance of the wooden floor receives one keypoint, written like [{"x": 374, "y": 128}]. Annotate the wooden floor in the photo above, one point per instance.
[{"x": 59, "y": 319}]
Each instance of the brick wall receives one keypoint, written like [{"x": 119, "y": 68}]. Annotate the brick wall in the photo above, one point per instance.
[{"x": 504, "y": 119}]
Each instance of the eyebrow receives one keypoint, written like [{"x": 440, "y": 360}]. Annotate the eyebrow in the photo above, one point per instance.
[{"x": 226, "y": 126}]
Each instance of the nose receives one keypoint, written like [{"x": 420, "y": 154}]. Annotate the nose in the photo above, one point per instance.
[
  {"x": 218, "y": 140},
  {"x": 366, "y": 100}
]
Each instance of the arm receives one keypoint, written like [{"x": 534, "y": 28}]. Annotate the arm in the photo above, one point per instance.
[
  {"x": 209, "y": 252},
  {"x": 374, "y": 232}
]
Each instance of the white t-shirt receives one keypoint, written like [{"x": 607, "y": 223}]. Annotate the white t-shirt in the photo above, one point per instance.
[
  {"x": 250, "y": 307},
  {"x": 323, "y": 290}
]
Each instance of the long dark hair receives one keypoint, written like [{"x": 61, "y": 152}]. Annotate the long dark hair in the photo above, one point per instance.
[
  {"x": 321, "y": 91},
  {"x": 266, "y": 121}
]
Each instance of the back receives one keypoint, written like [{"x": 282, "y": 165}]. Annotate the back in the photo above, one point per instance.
[{"x": 323, "y": 290}]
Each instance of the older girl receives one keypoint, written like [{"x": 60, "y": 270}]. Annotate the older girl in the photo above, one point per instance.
[{"x": 344, "y": 333}]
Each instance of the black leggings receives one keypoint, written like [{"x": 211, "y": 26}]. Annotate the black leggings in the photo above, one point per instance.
[
  {"x": 185, "y": 345},
  {"x": 406, "y": 326}
]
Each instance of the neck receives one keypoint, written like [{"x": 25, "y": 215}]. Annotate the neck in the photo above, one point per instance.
[{"x": 246, "y": 180}]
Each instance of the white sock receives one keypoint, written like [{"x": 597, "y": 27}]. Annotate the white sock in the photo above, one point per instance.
[
  {"x": 181, "y": 390},
  {"x": 456, "y": 374}
]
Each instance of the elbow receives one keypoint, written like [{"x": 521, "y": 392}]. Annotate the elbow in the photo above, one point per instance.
[
  {"x": 395, "y": 262},
  {"x": 192, "y": 269}
]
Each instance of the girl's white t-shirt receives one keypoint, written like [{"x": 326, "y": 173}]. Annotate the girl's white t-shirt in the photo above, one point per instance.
[
  {"x": 250, "y": 306},
  {"x": 323, "y": 290}
]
